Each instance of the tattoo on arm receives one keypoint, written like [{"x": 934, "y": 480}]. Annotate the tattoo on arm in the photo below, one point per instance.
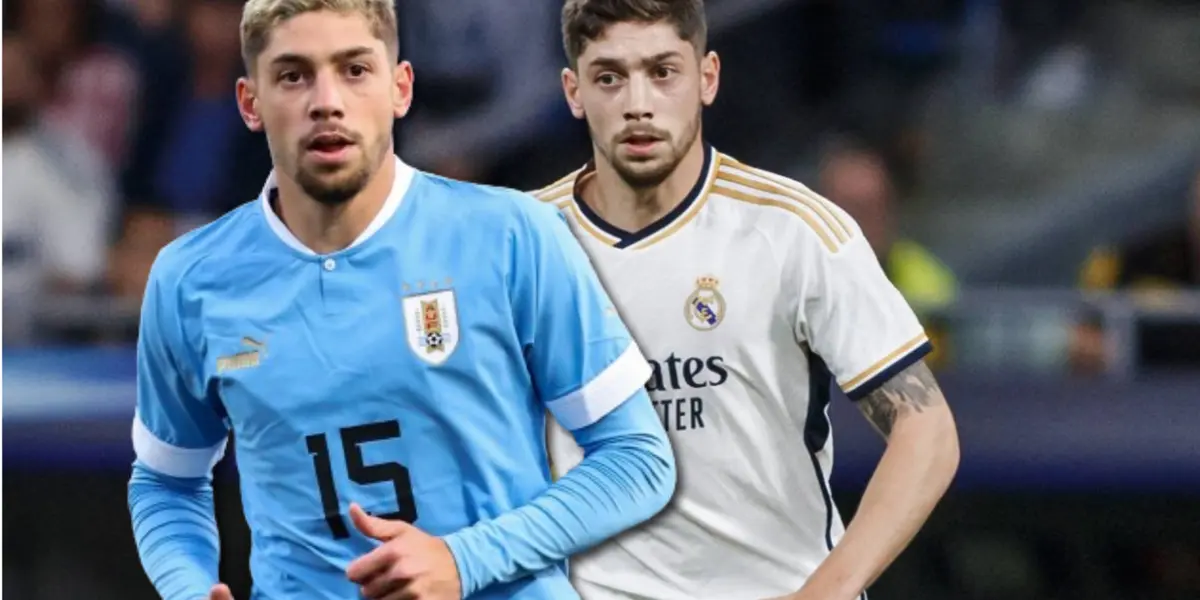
[{"x": 912, "y": 390}]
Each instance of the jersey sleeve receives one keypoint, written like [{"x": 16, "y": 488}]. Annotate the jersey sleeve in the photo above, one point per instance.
[
  {"x": 582, "y": 359},
  {"x": 177, "y": 429},
  {"x": 854, "y": 318}
]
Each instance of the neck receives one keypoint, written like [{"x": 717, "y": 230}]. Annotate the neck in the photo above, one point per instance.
[
  {"x": 633, "y": 209},
  {"x": 325, "y": 229}
]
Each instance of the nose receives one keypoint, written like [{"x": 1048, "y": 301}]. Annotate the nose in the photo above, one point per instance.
[
  {"x": 326, "y": 101},
  {"x": 638, "y": 105}
]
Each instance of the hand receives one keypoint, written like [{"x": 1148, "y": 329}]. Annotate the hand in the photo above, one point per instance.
[
  {"x": 220, "y": 592},
  {"x": 410, "y": 565}
]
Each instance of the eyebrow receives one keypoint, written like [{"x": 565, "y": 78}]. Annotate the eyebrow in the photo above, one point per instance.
[
  {"x": 608, "y": 62},
  {"x": 340, "y": 56}
]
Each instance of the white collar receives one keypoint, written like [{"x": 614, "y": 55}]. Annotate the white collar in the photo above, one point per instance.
[{"x": 400, "y": 185}]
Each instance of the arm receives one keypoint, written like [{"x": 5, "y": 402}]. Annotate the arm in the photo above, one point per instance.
[
  {"x": 860, "y": 325},
  {"x": 586, "y": 367},
  {"x": 178, "y": 436},
  {"x": 627, "y": 476},
  {"x": 922, "y": 455},
  {"x": 175, "y": 532}
]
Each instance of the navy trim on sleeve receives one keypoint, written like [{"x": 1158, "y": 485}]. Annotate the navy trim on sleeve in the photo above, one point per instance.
[{"x": 883, "y": 376}]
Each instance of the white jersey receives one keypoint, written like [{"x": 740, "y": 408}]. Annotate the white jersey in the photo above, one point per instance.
[{"x": 749, "y": 300}]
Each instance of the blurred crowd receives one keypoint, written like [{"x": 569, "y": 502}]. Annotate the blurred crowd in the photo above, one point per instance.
[
  {"x": 121, "y": 131},
  {"x": 1153, "y": 268}
]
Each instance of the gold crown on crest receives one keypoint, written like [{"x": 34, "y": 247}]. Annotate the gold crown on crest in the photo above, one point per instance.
[{"x": 707, "y": 282}]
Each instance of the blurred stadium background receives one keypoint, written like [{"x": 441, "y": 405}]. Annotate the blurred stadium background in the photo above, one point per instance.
[{"x": 1028, "y": 170}]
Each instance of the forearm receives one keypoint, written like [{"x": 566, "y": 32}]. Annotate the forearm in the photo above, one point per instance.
[
  {"x": 914, "y": 473},
  {"x": 176, "y": 533},
  {"x": 627, "y": 476},
  {"x": 911, "y": 413}
]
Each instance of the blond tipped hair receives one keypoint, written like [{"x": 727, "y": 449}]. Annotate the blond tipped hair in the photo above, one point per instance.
[{"x": 260, "y": 17}]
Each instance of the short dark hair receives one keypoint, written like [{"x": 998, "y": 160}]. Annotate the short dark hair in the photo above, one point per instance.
[{"x": 586, "y": 20}]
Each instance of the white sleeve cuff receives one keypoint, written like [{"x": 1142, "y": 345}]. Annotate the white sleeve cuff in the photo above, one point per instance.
[
  {"x": 605, "y": 392},
  {"x": 172, "y": 460}
]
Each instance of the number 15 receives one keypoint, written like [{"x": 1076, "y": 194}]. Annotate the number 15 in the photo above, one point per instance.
[{"x": 360, "y": 473}]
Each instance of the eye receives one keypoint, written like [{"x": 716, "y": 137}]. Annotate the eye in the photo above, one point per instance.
[
  {"x": 290, "y": 77},
  {"x": 606, "y": 79},
  {"x": 663, "y": 72},
  {"x": 357, "y": 70}
]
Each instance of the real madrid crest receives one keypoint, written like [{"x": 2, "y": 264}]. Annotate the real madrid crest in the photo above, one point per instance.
[
  {"x": 431, "y": 323},
  {"x": 705, "y": 308}
]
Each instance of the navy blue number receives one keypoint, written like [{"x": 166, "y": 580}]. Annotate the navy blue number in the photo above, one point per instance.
[{"x": 360, "y": 473}]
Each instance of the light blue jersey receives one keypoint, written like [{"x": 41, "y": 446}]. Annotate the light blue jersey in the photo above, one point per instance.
[{"x": 409, "y": 373}]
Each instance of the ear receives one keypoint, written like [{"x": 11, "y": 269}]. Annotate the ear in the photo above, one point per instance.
[
  {"x": 402, "y": 92},
  {"x": 710, "y": 78},
  {"x": 570, "y": 83},
  {"x": 247, "y": 101}
]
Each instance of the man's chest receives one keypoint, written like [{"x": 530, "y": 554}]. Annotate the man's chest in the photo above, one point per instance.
[
  {"x": 714, "y": 324},
  {"x": 695, "y": 295},
  {"x": 320, "y": 346}
]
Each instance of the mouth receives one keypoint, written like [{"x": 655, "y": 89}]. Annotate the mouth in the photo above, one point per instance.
[
  {"x": 640, "y": 143},
  {"x": 330, "y": 147}
]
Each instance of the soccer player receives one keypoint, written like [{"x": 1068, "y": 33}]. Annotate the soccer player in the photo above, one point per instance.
[
  {"x": 749, "y": 295},
  {"x": 384, "y": 346}
]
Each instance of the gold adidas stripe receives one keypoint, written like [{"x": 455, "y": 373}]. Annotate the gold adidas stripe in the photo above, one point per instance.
[
  {"x": 556, "y": 190},
  {"x": 771, "y": 183},
  {"x": 562, "y": 195},
  {"x": 805, "y": 215},
  {"x": 587, "y": 225},
  {"x": 884, "y": 362},
  {"x": 558, "y": 199},
  {"x": 829, "y": 222}
]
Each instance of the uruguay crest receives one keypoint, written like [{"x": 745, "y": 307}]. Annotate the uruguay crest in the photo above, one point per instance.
[
  {"x": 705, "y": 308},
  {"x": 431, "y": 323}
]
